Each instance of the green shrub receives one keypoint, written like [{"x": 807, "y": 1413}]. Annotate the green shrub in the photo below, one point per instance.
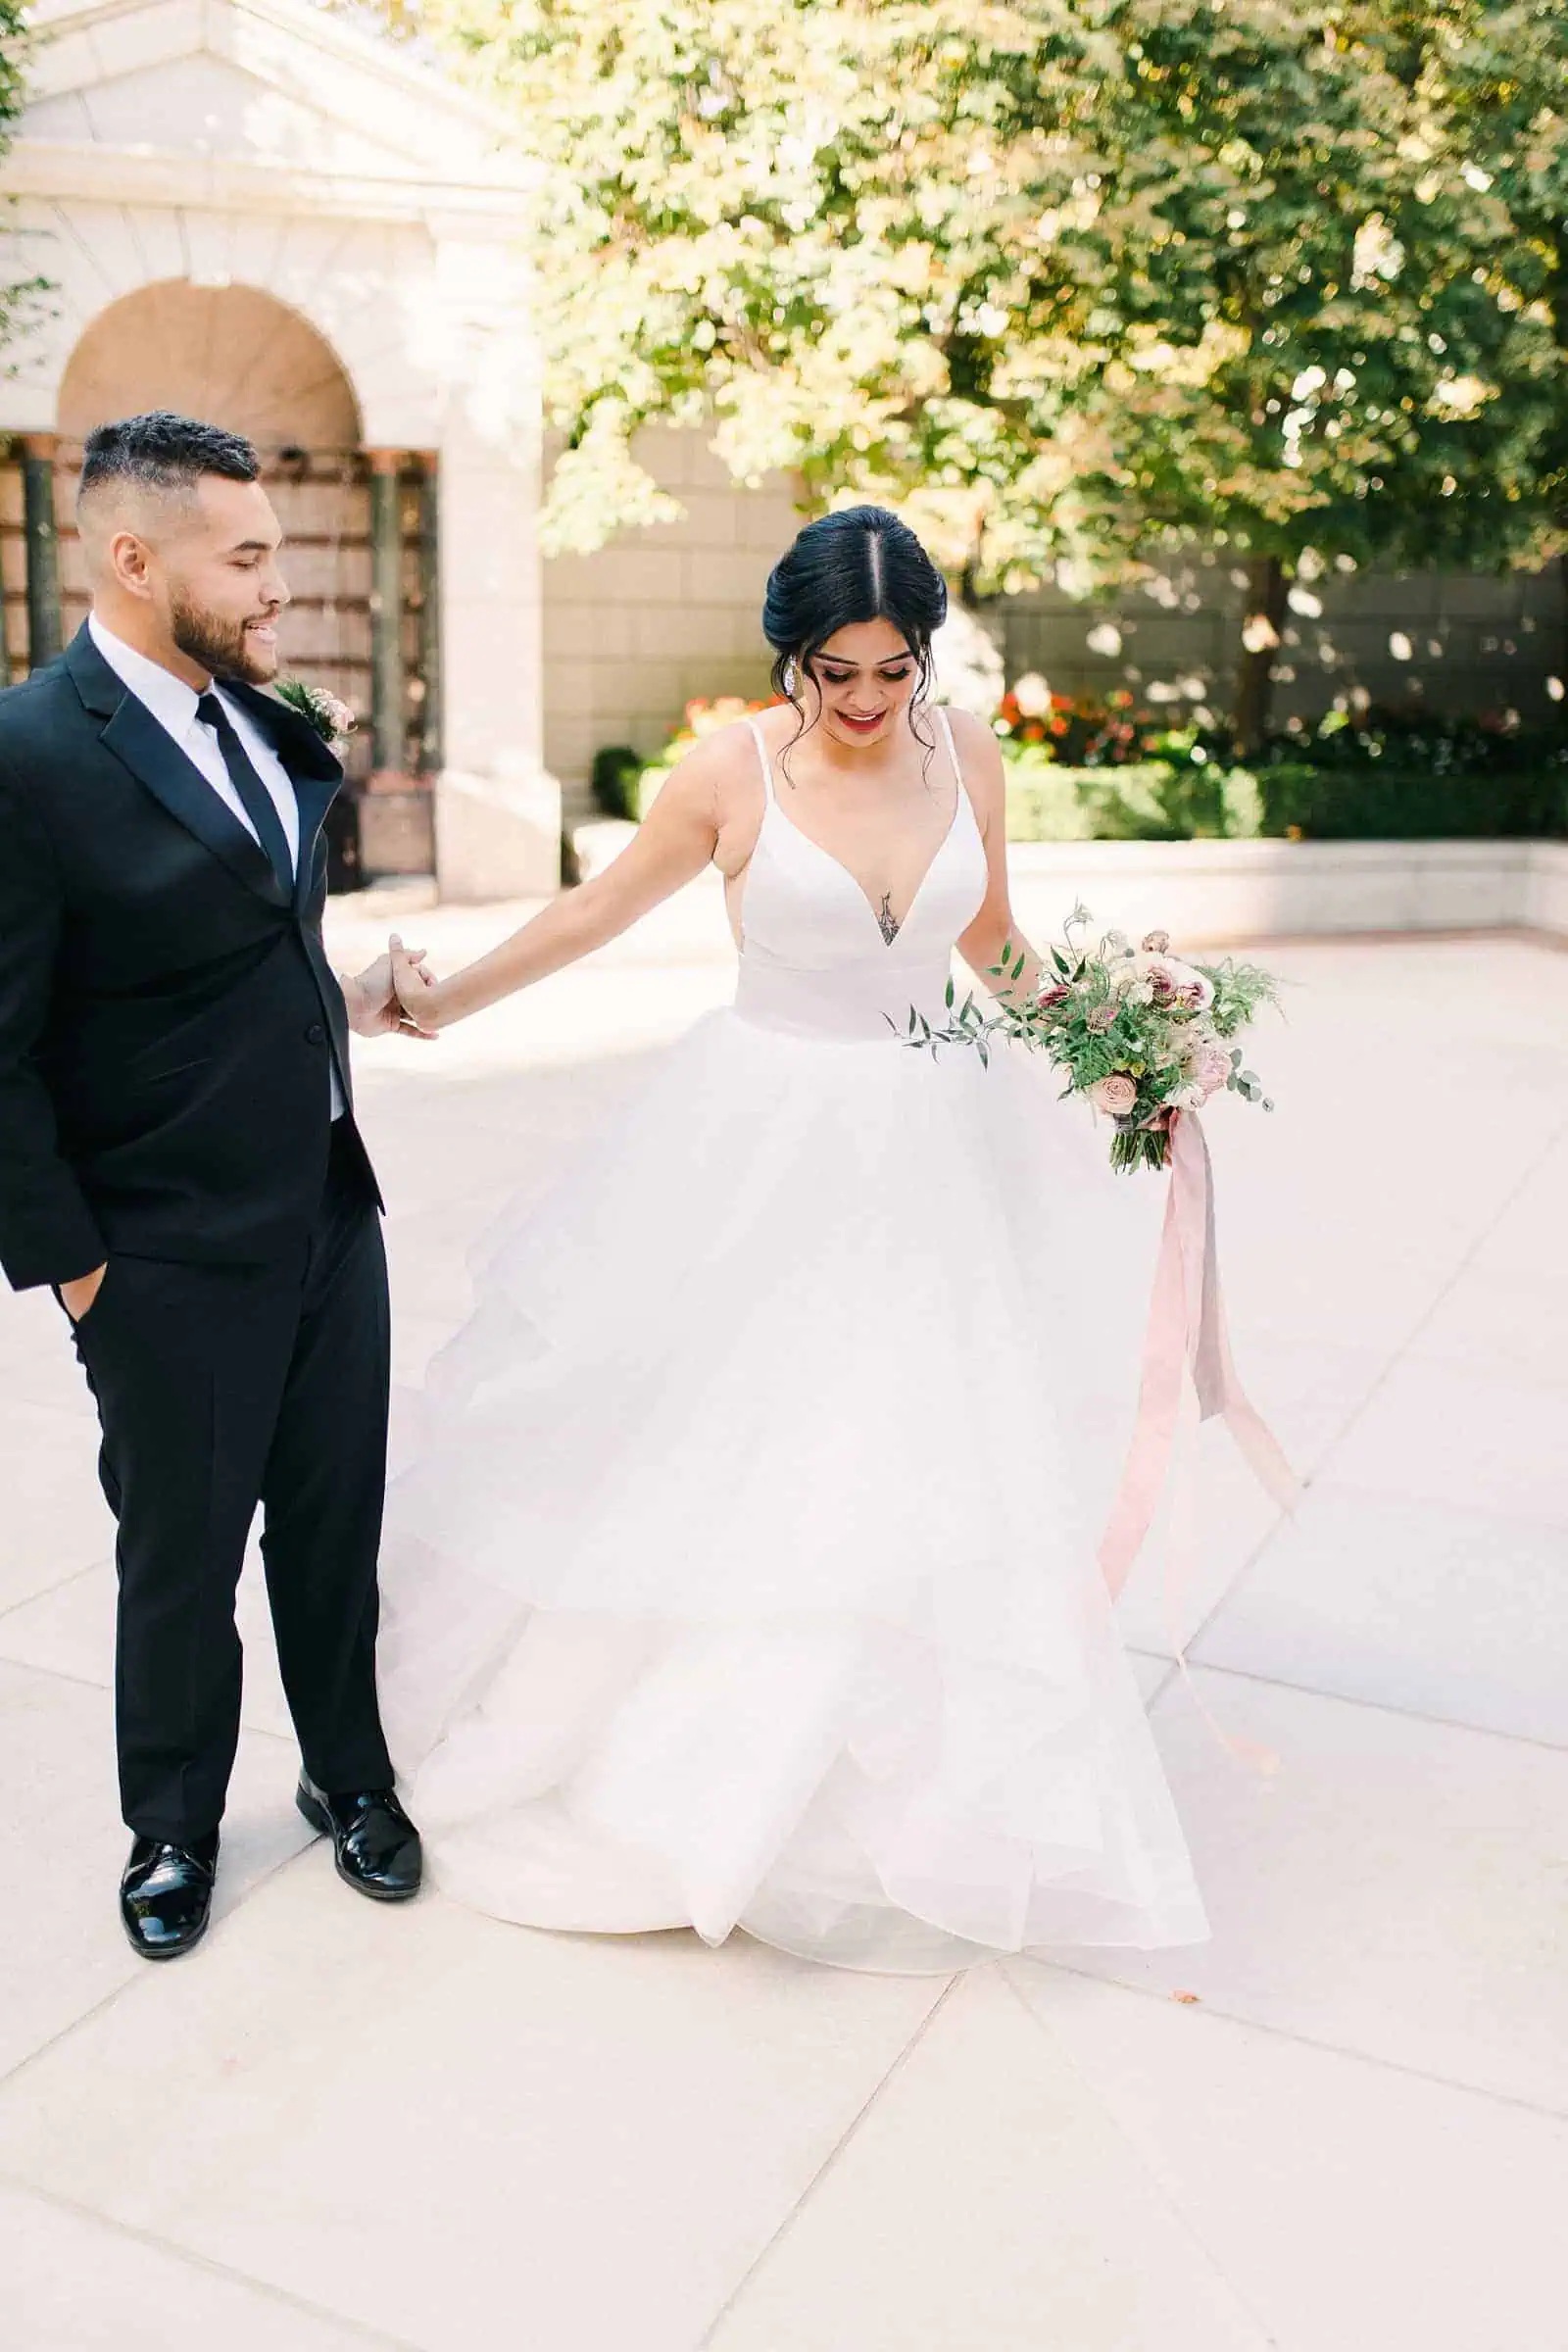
[
  {"x": 1349, "y": 787},
  {"x": 1412, "y": 744},
  {"x": 1148, "y": 800},
  {"x": 612, "y": 779},
  {"x": 1153, "y": 799},
  {"x": 650, "y": 776},
  {"x": 1368, "y": 803}
]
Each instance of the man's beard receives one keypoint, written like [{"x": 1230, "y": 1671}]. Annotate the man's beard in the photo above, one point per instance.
[{"x": 223, "y": 648}]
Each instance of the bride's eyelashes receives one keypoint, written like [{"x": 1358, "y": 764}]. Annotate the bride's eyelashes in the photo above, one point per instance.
[{"x": 844, "y": 677}]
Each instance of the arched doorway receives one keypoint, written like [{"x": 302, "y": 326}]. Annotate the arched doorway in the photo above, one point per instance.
[
  {"x": 230, "y": 353},
  {"x": 359, "y": 527}
]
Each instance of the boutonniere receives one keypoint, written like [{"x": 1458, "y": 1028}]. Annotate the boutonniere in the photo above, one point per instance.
[{"x": 331, "y": 718}]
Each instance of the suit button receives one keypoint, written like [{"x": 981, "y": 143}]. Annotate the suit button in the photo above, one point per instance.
[{"x": 315, "y": 1035}]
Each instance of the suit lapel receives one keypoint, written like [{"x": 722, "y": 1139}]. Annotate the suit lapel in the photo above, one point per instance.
[
  {"x": 156, "y": 761},
  {"x": 314, "y": 768}
]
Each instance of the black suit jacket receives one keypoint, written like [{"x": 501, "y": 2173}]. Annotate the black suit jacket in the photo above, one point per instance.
[{"x": 168, "y": 1015}]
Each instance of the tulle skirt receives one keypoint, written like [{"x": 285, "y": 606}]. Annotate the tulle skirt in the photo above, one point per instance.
[{"x": 744, "y": 1573}]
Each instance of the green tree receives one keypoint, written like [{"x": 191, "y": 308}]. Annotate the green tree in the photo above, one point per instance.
[
  {"x": 14, "y": 51},
  {"x": 1496, "y": 78},
  {"x": 1077, "y": 282}
]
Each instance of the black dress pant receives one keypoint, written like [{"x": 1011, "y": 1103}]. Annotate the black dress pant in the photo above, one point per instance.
[{"x": 218, "y": 1389}]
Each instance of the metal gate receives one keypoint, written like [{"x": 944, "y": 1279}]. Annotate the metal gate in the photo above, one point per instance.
[{"x": 362, "y": 558}]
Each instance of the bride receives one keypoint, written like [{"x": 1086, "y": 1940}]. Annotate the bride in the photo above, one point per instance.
[{"x": 747, "y": 1577}]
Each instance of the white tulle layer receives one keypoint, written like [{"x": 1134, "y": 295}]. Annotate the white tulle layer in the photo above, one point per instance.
[{"x": 744, "y": 1573}]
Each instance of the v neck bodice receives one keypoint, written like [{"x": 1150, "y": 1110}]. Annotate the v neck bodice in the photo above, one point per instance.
[{"x": 814, "y": 957}]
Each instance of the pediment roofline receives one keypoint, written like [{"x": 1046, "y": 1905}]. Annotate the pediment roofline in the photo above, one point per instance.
[{"x": 311, "y": 56}]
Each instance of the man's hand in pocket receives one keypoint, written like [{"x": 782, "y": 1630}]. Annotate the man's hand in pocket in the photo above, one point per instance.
[{"x": 76, "y": 1296}]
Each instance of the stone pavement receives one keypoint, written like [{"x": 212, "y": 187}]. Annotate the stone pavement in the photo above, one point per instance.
[{"x": 340, "y": 2125}]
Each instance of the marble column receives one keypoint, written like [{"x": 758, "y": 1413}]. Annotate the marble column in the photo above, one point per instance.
[
  {"x": 430, "y": 609},
  {"x": 497, "y": 809},
  {"x": 43, "y": 551},
  {"x": 387, "y": 685}
]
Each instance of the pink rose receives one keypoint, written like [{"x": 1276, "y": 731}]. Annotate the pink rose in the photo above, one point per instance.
[
  {"x": 1174, "y": 982},
  {"x": 1115, "y": 1096},
  {"x": 1210, "y": 1068},
  {"x": 337, "y": 713}
]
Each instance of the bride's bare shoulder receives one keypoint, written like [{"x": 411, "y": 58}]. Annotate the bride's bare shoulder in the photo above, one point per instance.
[
  {"x": 717, "y": 783},
  {"x": 980, "y": 757},
  {"x": 974, "y": 742},
  {"x": 711, "y": 758}
]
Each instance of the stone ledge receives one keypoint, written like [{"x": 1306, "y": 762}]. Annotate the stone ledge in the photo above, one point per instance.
[{"x": 1235, "y": 890}]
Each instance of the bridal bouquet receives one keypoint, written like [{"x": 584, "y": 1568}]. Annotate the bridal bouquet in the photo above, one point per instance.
[{"x": 1141, "y": 1032}]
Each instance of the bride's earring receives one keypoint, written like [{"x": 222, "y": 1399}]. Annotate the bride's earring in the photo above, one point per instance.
[{"x": 791, "y": 678}]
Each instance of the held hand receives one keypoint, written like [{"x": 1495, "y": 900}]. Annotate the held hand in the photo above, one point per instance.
[
  {"x": 76, "y": 1296},
  {"x": 418, "y": 991},
  {"x": 371, "y": 1000}
]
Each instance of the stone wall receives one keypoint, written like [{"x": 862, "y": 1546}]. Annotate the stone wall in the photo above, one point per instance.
[
  {"x": 659, "y": 615},
  {"x": 1450, "y": 642},
  {"x": 662, "y": 614}
]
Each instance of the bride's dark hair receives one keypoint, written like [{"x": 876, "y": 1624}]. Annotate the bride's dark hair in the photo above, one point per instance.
[{"x": 860, "y": 564}]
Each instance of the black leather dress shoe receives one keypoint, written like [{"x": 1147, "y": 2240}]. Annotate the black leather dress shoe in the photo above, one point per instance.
[
  {"x": 376, "y": 1844},
  {"x": 166, "y": 1895}
]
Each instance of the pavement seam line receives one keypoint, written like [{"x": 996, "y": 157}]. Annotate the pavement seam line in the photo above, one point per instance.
[
  {"x": 1374, "y": 1706},
  {"x": 1163, "y": 2187},
  {"x": 1550, "y": 1149},
  {"x": 73, "y": 1576},
  {"x": 195, "y": 2260},
  {"x": 138, "y": 1975},
  {"x": 1333, "y": 2049},
  {"x": 828, "y": 2162},
  {"x": 85, "y": 1682}
]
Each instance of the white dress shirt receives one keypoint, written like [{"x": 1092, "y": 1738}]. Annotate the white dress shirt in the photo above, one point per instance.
[{"x": 174, "y": 704}]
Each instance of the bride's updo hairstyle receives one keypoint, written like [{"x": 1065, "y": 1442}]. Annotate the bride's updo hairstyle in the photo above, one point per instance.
[{"x": 861, "y": 563}]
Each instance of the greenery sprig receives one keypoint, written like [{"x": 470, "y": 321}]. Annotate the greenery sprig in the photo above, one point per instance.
[{"x": 1142, "y": 1033}]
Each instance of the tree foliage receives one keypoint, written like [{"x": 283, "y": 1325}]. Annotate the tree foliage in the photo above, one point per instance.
[
  {"x": 1072, "y": 280},
  {"x": 16, "y": 298}
]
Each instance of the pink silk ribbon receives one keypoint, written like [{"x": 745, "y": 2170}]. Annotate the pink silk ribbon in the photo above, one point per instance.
[{"x": 1187, "y": 1341}]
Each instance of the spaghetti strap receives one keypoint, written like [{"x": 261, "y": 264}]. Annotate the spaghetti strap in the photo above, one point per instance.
[
  {"x": 760, "y": 740},
  {"x": 946, "y": 725}
]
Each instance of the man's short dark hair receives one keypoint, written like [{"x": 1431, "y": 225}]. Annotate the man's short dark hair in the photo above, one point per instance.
[{"x": 162, "y": 451}]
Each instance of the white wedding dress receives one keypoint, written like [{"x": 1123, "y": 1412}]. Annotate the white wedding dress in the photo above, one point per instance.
[{"x": 746, "y": 1576}]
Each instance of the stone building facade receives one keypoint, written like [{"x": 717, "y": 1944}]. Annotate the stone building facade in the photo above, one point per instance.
[
  {"x": 254, "y": 211},
  {"x": 251, "y": 209}
]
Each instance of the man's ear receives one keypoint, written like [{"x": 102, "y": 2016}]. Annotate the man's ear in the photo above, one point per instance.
[{"x": 129, "y": 563}]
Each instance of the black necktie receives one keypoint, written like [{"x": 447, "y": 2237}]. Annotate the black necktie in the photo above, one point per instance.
[{"x": 254, "y": 798}]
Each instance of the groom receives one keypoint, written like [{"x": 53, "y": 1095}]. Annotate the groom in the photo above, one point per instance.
[{"x": 179, "y": 1157}]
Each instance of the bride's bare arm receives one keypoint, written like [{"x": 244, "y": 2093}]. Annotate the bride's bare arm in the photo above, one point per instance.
[
  {"x": 993, "y": 928},
  {"x": 671, "y": 846}
]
